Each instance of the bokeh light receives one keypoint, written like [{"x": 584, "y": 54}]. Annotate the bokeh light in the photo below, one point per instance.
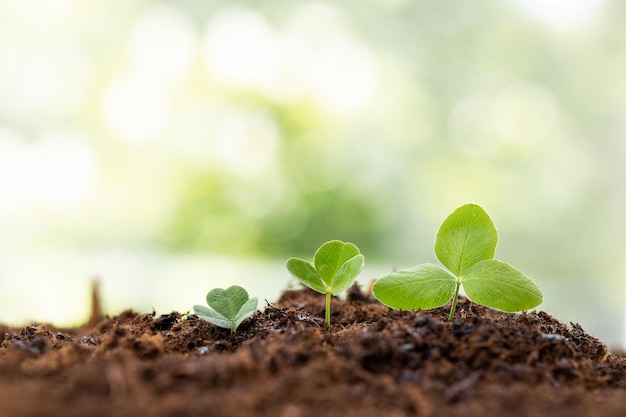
[{"x": 170, "y": 147}]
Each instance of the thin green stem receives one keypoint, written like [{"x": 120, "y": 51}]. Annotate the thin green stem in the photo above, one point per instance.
[
  {"x": 454, "y": 299},
  {"x": 328, "y": 294}
]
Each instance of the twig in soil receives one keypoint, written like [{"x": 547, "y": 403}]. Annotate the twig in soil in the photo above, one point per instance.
[{"x": 96, "y": 315}]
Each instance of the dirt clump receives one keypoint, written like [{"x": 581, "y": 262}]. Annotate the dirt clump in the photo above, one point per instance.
[{"x": 283, "y": 362}]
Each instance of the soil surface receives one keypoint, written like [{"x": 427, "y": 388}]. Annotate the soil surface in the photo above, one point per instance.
[{"x": 282, "y": 362}]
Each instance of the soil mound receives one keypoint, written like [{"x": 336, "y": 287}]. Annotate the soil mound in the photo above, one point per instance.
[{"x": 283, "y": 362}]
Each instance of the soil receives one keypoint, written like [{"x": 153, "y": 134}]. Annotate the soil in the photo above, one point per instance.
[{"x": 282, "y": 362}]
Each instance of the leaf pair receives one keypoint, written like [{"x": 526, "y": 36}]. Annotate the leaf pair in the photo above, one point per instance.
[
  {"x": 227, "y": 308},
  {"x": 335, "y": 266},
  {"x": 465, "y": 245}
]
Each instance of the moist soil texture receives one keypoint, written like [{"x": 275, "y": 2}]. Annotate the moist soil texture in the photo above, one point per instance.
[{"x": 283, "y": 362}]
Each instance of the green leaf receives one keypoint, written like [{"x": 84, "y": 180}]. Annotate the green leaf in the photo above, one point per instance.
[
  {"x": 212, "y": 316},
  {"x": 246, "y": 311},
  {"x": 227, "y": 302},
  {"x": 422, "y": 287},
  {"x": 347, "y": 273},
  {"x": 498, "y": 285},
  {"x": 336, "y": 263},
  {"x": 227, "y": 308},
  {"x": 306, "y": 273},
  {"x": 465, "y": 245},
  {"x": 465, "y": 237},
  {"x": 330, "y": 257}
]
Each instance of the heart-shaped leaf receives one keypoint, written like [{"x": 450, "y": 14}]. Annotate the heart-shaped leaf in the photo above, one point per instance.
[
  {"x": 422, "y": 287},
  {"x": 227, "y": 302},
  {"x": 465, "y": 237},
  {"x": 227, "y": 308},
  {"x": 498, "y": 285}
]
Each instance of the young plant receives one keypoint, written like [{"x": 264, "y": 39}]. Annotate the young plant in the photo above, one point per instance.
[
  {"x": 336, "y": 265},
  {"x": 465, "y": 245},
  {"x": 227, "y": 308}
]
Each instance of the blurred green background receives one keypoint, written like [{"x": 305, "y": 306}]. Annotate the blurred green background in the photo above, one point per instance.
[{"x": 169, "y": 147}]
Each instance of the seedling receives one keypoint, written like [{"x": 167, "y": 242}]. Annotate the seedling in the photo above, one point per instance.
[
  {"x": 465, "y": 245},
  {"x": 227, "y": 308},
  {"x": 336, "y": 265}
]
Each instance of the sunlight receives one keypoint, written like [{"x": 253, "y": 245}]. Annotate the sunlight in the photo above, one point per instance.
[
  {"x": 136, "y": 107},
  {"x": 327, "y": 60},
  {"x": 43, "y": 82},
  {"x": 13, "y": 194},
  {"x": 39, "y": 15},
  {"x": 57, "y": 171},
  {"x": 244, "y": 142},
  {"x": 563, "y": 174},
  {"x": 64, "y": 169},
  {"x": 521, "y": 116},
  {"x": 524, "y": 114},
  {"x": 471, "y": 125},
  {"x": 240, "y": 48},
  {"x": 562, "y": 14},
  {"x": 162, "y": 42},
  {"x": 343, "y": 76},
  {"x": 44, "y": 286}
]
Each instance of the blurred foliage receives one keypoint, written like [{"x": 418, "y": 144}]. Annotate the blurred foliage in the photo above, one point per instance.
[
  {"x": 472, "y": 103},
  {"x": 265, "y": 128},
  {"x": 314, "y": 196}
]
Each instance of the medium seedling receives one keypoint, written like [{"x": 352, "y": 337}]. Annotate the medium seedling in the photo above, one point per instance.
[
  {"x": 465, "y": 245},
  {"x": 227, "y": 308},
  {"x": 335, "y": 266}
]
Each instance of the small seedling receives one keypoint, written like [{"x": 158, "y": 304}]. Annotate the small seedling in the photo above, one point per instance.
[
  {"x": 465, "y": 245},
  {"x": 336, "y": 265},
  {"x": 227, "y": 308}
]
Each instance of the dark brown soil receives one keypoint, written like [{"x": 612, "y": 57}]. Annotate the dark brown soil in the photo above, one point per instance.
[{"x": 282, "y": 362}]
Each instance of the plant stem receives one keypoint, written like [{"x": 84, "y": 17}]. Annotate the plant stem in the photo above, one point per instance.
[
  {"x": 328, "y": 294},
  {"x": 454, "y": 299}
]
